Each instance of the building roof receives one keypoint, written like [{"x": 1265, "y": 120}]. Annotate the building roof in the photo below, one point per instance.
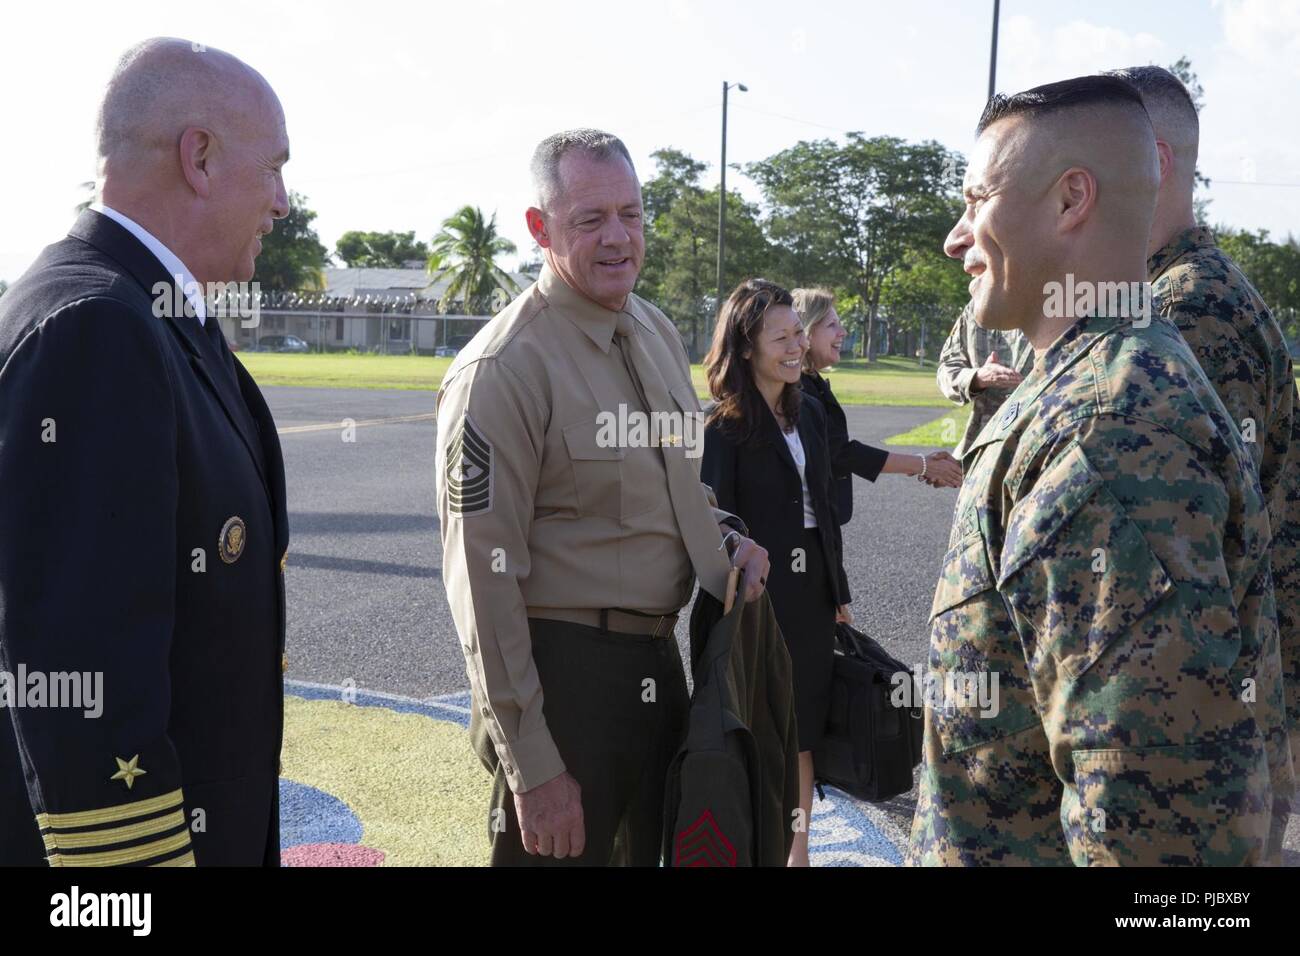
[
  {"x": 347, "y": 283},
  {"x": 350, "y": 283}
]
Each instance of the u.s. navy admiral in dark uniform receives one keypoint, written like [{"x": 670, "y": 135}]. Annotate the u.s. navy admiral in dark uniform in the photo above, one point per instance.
[{"x": 142, "y": 524}]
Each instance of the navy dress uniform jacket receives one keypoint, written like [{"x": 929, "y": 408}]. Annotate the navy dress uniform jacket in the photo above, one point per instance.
[{"x": 142, "y": 536}]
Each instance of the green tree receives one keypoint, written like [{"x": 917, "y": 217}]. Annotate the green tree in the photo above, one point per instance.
[
  {"x": 850, "y": 215},
  {"x": 679, "y": 274},
  {"x": 379, "y": 250},
  {"x": 464, "y": 252},
  {"x": 292, "y": 256},
  {"x": 1272, "y": 267},
  {"x": 923, "y": 296}
]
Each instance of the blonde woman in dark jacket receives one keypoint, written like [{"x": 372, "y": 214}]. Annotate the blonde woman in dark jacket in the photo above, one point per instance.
[{"x": 816, "y": 310}]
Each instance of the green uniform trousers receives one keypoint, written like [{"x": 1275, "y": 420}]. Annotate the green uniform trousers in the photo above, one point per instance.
[{"x": 616, "y": 706}]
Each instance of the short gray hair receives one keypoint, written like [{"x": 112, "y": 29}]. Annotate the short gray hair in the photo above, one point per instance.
[{"x": 545, "y": 166}]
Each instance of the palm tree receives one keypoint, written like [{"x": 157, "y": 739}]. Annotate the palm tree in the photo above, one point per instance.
[
  {"x": 465, "y": 253},
  {"x": 88, "y": 187}
]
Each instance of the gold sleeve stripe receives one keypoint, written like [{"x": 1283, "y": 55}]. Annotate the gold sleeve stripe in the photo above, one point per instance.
[
  {"x": 134, "y": 854},
  {"x": 123, "y": 811},
  {"x": 98, "y": 838},
  {"x": 186, "y": 860}
]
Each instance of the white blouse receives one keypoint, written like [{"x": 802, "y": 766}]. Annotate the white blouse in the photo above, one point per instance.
[{"x": 800, "y": 460}]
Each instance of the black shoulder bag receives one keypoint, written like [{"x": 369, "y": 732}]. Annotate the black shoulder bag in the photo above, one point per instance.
[{"x": 870, "y": 746}]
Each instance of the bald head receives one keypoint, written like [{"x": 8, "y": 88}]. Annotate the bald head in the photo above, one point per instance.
[
  {"x": 163, "y": 85},
  {"x": 1062, "y": 180},
  {"x": 191, "y": 144}
]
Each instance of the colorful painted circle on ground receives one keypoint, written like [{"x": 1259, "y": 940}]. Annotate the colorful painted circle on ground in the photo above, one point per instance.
[{"x": 379, "y": 780}]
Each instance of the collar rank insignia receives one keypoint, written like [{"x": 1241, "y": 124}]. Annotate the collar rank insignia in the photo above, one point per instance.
[
  {"x": 469, "y": 471},
  {"x": 234, "y": 535}
]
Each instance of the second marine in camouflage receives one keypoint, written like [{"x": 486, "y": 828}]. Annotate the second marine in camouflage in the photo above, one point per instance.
[{"x": 970, "y": 355}]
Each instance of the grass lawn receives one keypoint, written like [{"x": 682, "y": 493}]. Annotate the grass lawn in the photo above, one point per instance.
[
  {"x": 890, "y": 381},
  {"x": 943, "y": 432},
  {"x": 341, "y": 370}
]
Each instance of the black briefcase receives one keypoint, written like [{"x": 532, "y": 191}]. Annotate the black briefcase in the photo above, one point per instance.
[{"x": 870, "y": 746}]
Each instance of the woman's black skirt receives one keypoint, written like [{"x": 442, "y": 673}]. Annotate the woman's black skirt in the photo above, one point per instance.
[{"x": 805, "y": 610}]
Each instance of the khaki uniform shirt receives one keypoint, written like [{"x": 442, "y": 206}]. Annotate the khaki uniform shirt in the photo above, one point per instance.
[
  {"x": 967, "y": 348},
  {"x": 1109, "y": 568},
  {"x": 540, "y": 508}
]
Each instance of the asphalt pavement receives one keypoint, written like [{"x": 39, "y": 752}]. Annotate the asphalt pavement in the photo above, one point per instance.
[{"x": 364, "y": 585}]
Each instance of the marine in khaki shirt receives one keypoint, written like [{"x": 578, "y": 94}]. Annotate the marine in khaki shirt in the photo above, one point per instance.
[
  {"x": 536, "y": 514},
  {"x": 553, "y": 509}
]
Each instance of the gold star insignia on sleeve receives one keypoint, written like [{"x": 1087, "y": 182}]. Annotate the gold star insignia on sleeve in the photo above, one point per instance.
[{"x": 128, "y": 770}]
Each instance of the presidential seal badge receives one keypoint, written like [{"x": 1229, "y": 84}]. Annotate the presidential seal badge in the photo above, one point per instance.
[
  {"x": 234, "y": 535},
  {"x": 469, "y": 471}
]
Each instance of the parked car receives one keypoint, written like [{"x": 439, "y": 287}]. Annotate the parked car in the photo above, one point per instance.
[
  {"x": 446, "y": 351},
  {"x": 281, "y": 343}
]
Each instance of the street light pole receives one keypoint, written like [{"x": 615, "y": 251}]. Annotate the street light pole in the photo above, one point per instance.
[
  {"x": 722, "y": 189},
  {"x": 993, "y": 53}
]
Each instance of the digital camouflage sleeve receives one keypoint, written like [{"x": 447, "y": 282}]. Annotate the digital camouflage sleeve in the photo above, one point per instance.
[{"x": 1240, "y": 346}]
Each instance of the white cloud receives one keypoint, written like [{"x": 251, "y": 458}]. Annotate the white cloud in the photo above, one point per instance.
[
  {"x": 1032, "y": 54},
  {"x": 1250, "y": 120},
  {"x": 398, "y": 114},
  {"x": 1264, "y": 32}
]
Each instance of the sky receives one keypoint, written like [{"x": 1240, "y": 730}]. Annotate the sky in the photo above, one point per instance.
[{"x": 400, "y": 113}]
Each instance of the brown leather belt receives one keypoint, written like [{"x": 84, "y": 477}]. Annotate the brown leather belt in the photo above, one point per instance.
[{"x": 610, "y": 619}]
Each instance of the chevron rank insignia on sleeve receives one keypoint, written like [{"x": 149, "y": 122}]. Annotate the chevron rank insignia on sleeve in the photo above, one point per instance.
[
  {"x": 703, "y": 844},
  {"x": 469, "y": 471}
]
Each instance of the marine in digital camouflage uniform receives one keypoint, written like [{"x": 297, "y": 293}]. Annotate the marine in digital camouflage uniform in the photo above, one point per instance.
[
  {"x": 1240, "y": 346},
  {"x": 1114, "y": 450},
  {"x": 1108, "y": 563},
  {"x": 967, "y": 348}
]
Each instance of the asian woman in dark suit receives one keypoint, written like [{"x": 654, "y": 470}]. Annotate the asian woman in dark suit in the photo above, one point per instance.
[{"x": 766, "y": 458}]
